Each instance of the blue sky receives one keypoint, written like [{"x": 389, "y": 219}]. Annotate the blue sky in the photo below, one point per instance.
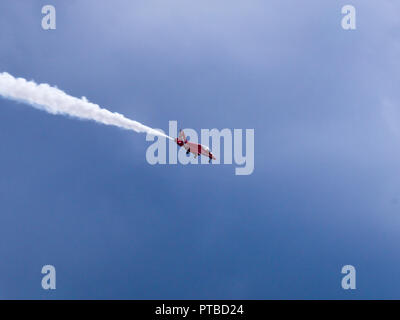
[{"x": 325, "y": 191}]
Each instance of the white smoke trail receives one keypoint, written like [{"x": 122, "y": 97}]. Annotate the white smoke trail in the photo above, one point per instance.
[{"x": 55, "y": 101}]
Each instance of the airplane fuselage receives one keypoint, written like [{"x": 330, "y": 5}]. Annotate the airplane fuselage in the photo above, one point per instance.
[{"x": 195, "y": 148}]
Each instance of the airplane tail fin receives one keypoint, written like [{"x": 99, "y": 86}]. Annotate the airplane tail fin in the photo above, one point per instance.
[{"x": 182, "y": 135}]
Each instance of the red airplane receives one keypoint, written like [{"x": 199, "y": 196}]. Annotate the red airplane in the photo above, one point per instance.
[{"x": 195, "y": 148}]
